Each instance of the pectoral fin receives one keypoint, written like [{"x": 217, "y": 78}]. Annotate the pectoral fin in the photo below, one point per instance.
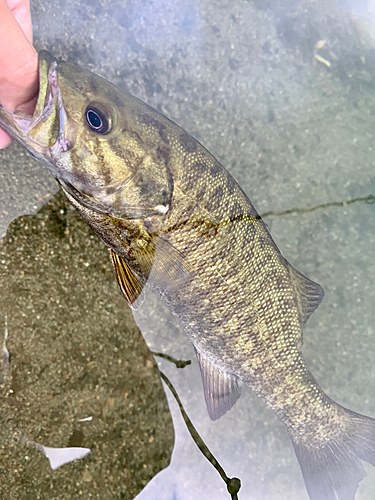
[
  {"x": 221, "y": 390},
  {"x": 169, "y": 268},
  {"x": 129, "y": 283},
  {"x": 162, "y": 264}
]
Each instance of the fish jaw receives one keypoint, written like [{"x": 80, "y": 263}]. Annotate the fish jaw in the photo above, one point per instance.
[
  {"x": 49, "y": 131},
  {"x": 17, "y": 126},
  {"x": 109, "y": 173}
]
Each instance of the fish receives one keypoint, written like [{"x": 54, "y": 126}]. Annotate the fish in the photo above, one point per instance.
[{"x": 174, "y": 219}]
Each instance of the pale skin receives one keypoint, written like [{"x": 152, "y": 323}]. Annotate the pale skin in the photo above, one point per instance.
[{"x": 18, "y": 60}]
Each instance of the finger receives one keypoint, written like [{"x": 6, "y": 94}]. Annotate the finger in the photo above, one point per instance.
[
  {"x": 18, "y": 62},
  {"x": 5, "y": 139},
  {"x": 21, "y": 12}
]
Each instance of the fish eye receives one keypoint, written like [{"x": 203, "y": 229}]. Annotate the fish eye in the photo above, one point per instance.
[{"x": 96, "y": 120}]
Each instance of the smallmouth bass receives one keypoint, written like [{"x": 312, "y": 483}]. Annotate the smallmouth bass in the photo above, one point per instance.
[{"x": 173, "y": 218}]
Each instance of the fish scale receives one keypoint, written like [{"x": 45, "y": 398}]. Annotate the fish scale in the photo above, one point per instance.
[{"x": 175, "y": 220}]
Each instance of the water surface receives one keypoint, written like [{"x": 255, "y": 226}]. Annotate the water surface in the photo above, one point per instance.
[{"x": 296, "y": 133}]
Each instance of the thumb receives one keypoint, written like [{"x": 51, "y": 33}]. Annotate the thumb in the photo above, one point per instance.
[{"x": 18, "y": 62}]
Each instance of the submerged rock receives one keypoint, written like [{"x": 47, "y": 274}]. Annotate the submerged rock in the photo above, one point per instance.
[{"x": 75, "y": 352}]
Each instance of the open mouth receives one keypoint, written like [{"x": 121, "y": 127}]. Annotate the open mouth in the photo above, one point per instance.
[
  {"x": 63, "y": 142},
  {"x": 52, "y": 124},
  {"x": 48, "y": 131}
]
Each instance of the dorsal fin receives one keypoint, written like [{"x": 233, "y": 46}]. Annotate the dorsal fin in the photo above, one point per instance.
[
  {"x": 309, "y": 293},
  {"x": 129, "y": 283},
  {"x": 221, "y": 390}
]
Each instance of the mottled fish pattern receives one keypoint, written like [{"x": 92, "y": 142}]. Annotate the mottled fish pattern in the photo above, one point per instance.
[{"x": 173, "y": 218}]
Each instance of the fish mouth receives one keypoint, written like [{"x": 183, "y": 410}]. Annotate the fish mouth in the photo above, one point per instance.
[{"x": 49, "y": 130}]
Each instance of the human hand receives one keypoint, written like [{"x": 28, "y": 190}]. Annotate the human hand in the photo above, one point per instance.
[{"x": 18, "y": 61}]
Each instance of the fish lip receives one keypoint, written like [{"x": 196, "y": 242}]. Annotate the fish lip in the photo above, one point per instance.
[
  {"x": 20, "y": 126},
  {"x": 15, "y": 125},
  {"x": 64, "y": 141}
]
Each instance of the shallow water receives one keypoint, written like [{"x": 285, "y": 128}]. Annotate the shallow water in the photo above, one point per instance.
[{"x": 243, "y": 78}]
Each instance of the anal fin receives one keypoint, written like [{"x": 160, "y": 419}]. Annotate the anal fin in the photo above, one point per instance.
[{"x": 221, "y": 389}]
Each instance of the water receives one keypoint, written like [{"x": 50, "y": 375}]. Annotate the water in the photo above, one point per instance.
[{"x": 243, "y": 78}]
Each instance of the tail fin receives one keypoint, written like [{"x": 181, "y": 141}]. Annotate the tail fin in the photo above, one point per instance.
[{"x": 334, "y": 471}]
